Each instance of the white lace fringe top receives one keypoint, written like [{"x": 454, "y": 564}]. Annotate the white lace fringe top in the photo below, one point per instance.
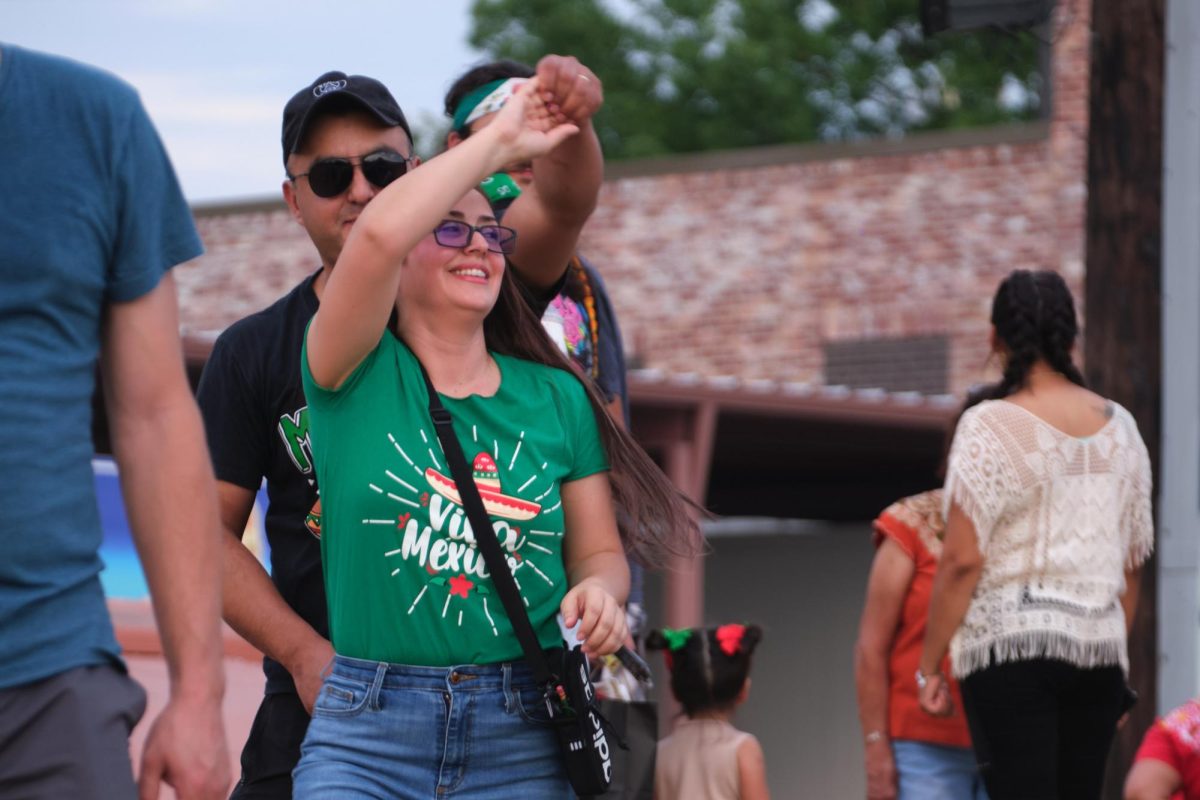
[{"x": 1059, "y": 518}]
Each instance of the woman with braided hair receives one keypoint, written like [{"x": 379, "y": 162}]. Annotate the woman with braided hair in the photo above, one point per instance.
[{"x": 1047, "y": 507}]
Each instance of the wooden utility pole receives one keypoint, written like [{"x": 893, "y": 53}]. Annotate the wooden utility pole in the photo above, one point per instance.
[{"x": 1123, "y": 340}]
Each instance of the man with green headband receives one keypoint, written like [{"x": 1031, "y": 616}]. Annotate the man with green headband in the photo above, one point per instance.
[
  {"x": 589, "y": 332},
  {"x": 580, "y": 318},
  {"x": 568, "y": 180}
]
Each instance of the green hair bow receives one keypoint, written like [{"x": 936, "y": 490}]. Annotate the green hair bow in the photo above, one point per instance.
[{"x": 676, "y": 639}]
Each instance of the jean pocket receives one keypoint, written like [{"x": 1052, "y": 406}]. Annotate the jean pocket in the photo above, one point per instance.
[
  {"x": 531, "y": 706},
  {"x": 340, "y": 697}
]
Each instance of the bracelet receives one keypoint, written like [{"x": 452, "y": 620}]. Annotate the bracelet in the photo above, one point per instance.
[
  {"x": 874, "y": 736},
  {"x": 923, "y": 679}
]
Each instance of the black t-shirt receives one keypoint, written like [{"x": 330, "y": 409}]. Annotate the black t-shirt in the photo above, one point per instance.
[{"x": 257, "y": 422}]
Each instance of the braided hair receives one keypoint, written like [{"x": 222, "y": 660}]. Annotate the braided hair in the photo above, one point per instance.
[
  {"x": 1034, "y": 316},
  {"x": 708, "y": 666}
]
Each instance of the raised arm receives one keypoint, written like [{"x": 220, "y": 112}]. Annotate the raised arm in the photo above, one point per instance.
[
  {"x": 158, "y": 442},
  {"x": 550, "y": 214},
  {"x": 361, "y": 291}
]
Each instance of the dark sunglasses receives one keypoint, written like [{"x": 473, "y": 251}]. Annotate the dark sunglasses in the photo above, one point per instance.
[
  {"x": 329, "y": 177},
  {"x": 456, "y": 233}
]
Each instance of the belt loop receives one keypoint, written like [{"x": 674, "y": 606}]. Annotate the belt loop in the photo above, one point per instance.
[
  {"x": 506, "y": 673},
  {"x": 377, "y": 687}
]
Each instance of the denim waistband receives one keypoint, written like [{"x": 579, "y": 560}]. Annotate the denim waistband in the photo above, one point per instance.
[{"x": 464, "y": 677}]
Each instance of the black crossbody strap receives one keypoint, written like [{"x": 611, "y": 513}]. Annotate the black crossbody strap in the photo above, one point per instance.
[{"x": 485, "y": 537}]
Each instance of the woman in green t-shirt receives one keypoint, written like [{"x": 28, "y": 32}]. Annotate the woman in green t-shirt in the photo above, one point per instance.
[{"x": 428, "y": 692}]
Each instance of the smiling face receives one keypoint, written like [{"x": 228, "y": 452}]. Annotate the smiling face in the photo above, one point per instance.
[
  {"x": 351, "y": 136},
  {"x": 437, "y": 279}
]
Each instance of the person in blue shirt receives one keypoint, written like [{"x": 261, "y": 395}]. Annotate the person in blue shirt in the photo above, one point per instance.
[{"x": 92, "y": 220}]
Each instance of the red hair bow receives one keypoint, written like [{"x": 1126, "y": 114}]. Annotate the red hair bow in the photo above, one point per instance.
[{"x": 729, "y": 637}]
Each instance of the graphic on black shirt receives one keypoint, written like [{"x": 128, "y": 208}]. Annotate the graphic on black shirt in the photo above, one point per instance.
[
  {"x": 293, "y": 429},
  {"x": 297, "y": 440},
  {"x": 312, "y": 520}
]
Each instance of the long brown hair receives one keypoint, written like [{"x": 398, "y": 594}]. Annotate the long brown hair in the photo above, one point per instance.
[{"x": 656, "y": 521}]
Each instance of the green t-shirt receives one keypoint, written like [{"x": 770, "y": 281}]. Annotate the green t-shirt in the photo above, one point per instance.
[{"x": 405, "y": 581}]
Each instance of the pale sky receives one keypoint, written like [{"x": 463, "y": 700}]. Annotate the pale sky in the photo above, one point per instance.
[{"x": 215, "y": 74}]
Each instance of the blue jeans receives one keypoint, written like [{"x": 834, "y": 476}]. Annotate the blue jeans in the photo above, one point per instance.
[
  {"x": 936, "y": 772},
  {"x": 427, "y": 733}
]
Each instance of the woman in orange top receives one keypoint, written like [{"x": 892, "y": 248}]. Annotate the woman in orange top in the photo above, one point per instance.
[{"x": 909, "y": 754}]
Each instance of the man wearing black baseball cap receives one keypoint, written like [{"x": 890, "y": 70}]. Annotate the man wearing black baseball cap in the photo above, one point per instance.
[
  {"x": 344, "y": 139},
  {"x": 338, "y": 89}
]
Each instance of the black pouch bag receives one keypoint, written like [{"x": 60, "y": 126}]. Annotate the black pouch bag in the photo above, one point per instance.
[{"x": 582, "y": 731}]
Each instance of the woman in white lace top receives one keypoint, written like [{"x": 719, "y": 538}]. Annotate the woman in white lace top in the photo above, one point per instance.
[{"x": 1048, "y": 520}]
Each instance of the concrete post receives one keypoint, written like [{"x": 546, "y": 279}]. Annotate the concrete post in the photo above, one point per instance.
[{"x": 1179, "y": 481}]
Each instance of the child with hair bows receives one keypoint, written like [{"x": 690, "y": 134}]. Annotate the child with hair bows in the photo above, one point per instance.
[{"x": 706, "y": 757}]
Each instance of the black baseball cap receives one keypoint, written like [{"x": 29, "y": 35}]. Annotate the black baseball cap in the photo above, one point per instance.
[{"x": 338, "y": 87}]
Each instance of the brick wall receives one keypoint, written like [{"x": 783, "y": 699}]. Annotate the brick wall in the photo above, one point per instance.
[
  {"x": 747, "y": 272},
  {"x": 252, "y": 257},
  {"x": 746, "y": 264}
]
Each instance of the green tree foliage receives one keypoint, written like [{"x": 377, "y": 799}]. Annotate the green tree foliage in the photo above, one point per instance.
[{"x": 689, "y": 75}]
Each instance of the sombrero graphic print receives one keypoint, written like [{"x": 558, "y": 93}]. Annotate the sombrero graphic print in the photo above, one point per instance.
[{"x": 487, "y": 478}]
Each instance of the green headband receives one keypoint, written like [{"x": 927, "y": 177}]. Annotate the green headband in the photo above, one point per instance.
[{"x": 472, "y": 99}]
